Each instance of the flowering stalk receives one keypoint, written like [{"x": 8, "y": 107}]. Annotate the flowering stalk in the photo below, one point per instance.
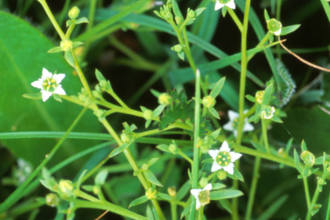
[{"x": 264, "y": 133}]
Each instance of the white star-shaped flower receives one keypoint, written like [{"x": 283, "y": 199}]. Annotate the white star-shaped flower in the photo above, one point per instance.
[
  {"x": 224, "y": 159},
  {"x": 221, "y": 3},
  {"x": 49, "y": 84},
  {"x": 202, "y": 196},
  {"x": 233, "y": 123}
]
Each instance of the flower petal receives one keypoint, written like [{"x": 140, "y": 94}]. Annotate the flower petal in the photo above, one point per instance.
[
  {"x": 232, "y": 115},
  {"x": 229, "y": 126},
  {"x": 208, "y": 187},
  {"x": 224, "y": 147},
  {"x": 247, "y": 126},
  {"x": 59, "y": 90},
  {"x": 46, "y": 74},
  {"x": 198, "y": 203},
  {"x": 229, "y": 169},
  {"x": 45, "y": 95},
  {"x": 218, "y": 5},
  {"x": 215, "y": 167},
  {"x": 214, "y": 153},
  {"x": 195, "y": 192},
  {"x": 59, "y": 77},
  {"x": 37, "y": 84},
  {"x": 234, "y": 156},
  {"x": 277, "y": 33},
  {"x": 231, "y": 4}
]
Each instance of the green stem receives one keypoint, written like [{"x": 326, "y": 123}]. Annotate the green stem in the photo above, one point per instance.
[
  {"x": 52, "y": 19},
  {"x": 262, "y": 43},
  {"x": 264, "y": 134},
  {"x": 253, "y": 187},
  {"x": 315, "y": 197},
  {"x": 15, "y": 195},
  {"x": 244, "y": 63},
  {"x": 235, "y": 18},
  {"x": 308, "y": 200},
  {"x": 195, "y": 166},
  {"x": 91, "y": 14},
  {"x": 174, "y": 211},
  {"x": 69, "y": 31},
  {"x": 185, "y": 157},
  {"x": 278, "y": 17},
  {"x": 114, "y": 95},
  {"x": 200, "y": 213},
  {"x": 103, "y": 34}
]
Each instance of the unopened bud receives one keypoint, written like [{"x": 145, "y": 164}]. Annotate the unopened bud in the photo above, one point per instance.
[
  {"x": 52, "y": 200},
  {"x": 74, "y": 12}
]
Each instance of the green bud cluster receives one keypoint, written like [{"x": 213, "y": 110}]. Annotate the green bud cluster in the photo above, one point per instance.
[
  {"x": 208, "y": 101},
  {"x": 151, "y": 193},
  {"x": 308, "y": 158},
  {"x": 66, "y": 188},
  {"x": 52, "y": 200}
]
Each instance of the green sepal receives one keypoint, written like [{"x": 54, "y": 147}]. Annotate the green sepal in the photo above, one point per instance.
[
  {"x": 119, "y": 149},
  {"x": 68, "y": 57},
  {"x": 152, "y": 161},
  {"x": 101, "y": 177},
  {"x": 217, "y": 186},
  {"x": 76, "y": 44},
  {"x": 81, "y": 20},
  {"x": 165, "y": 196},
  {"x": 224, "y": 11},
  {"x": 289, "y": 29},
  {"x": 57, "y": 97},
  {"x": 276, "y": 119},
  {"x": 296, "y": 161},
  {"x": 138, "y": 201},
  {"x": 303, "y": 146},
  {"x": 217, "y": 88},
  {"x": 33, "y": 95},
  {"x": 250, "y": 98},
  {"x": 214, "y": 112},
  {"x": 55, "y": 50},
  {"x": 181, "y": 55},
  {"x": 225, "y": 194},
  {"x": 267, "y": 95},
  {"x": 267, "y": 18},
  {"x": 150, "y": 176},
  {"x": 182, "y": 192}
]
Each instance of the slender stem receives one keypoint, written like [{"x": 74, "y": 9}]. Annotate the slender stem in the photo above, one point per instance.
[
  {"x": 264, "y": 134},
  {"x": 244, "y": 63},
  {"x": 278, "y": 17},
  {"x": 200, "y": 213},
  {"x": 185, "y": 157},
  {"x": 312, "y": 206},
  {"x": 262, "y": 43},
  {"x": 52, "y": 19},
  {"x": 174, "y": 211},
  {"x": 235, "y": 18},
  {"x": 91, "y": 14},
  {"x": 308, "y": 200},
  {"x": 195, "y": 166},
  {"x": 253, "y": 187},
  {"x": 69, "y": 31},
  {"x": 114, "y": 95},
  {"x": 16, "y": 194}
]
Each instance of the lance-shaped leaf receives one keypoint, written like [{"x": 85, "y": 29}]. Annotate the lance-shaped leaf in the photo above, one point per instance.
[
  {"x": 217, "y": 88},
  {"x": 225, "y": 194},
  {"x": 138, "y": 201}
]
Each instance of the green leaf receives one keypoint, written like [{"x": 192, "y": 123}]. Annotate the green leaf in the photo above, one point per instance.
[
  {"x": 101, "y": 177},
  {"x": 119, "y": 149},
  {"x": 266, "y": 15},
  {"x": 185, "y": 211},
  {"x": 152, "y": 178},
  {"x": 276, "y": 119},
  {"x": 296, "y": 161},
  {"x": 158, "y": 110},
  {"x": 267, "y": 95},
  {"x": 216, "y": 186},
  {"x": 214, "y": 112},
  {"x": 165, "y": 196},
  {"x": 55, "y": 50},
  {"x": 176, "y": 9},
  {"x": 69, "y": 58},
  {"x": 138, "y": 201},
  {"x": 289, "y": 29},
  {"x": 81, "y": 20},
  {"x": 217, "y": 88},
  {"x": 163, "y": 147},
  {"x": 22, "y": 58},
  {"x": 183, "y": 190},
  {"x": 77, "y": 44},
  {"x": 268, "y": 213},
  {"x": 150, "y": 216},
  {"x": 33, "y": 96},
  {"x": 250, "y": 98},
  {"x": 225, "y": 194},
  {"x": 99, "y": 75},
  {"x": 303, "y": 146},
  {"x": 152, "y": 161}
]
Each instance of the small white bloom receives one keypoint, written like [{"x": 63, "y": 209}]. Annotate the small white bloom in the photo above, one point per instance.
[
  {"x": 233, "y": 123},
  {"x": 49, "y": 83},
  {"x": 267, "y": 112},
  {"x": 221, "y": 3},
  {"x": 274, "y": 26},
  {"x": 223, "y": 158},
  {"x": 202, "y": 196}
]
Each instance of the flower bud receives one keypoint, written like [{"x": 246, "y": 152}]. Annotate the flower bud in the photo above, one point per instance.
[
  {"x": 281, "y": 152},
  {"x": 73, "y": 13},
  {"x": 208, "y": 101},
  {"x": 100, "y": 113},
  {"x": 171, "y": 191},
  {"x": 179, "y": 20},
  {"x": 96, "y": 190},
  {"x": 173, "y": 148},
  {"x": 203, "y": 182},
  {"x": 66, "y": 187},
  {"x": 169, "y": 15},
  {"x": 66, "y": 45},
  {"x": 52, "y": 200},
  {"x": 177, "y": 48},
  {"x": 164, "y": 99},
  {"x": 259, "y": 96},
  {"x": 147, "y": 114},
  {"x": 191, "y": 14},
  {"x": 126, "y": 137},
  {"x": 321, "y": 181},
  {"x": 308, "y": 158},
  {"x": 144, "y": 167},
  {"x": 151, "y": 193}
]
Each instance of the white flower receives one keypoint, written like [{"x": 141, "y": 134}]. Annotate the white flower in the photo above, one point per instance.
[
  {"x": 229, "y": 3},
  {"x": 49, "y": 83},
  {"x": 223, "y": 158},
  {"x": 267, "y": 112},
  {"x": 233, "y": 123},
  {"x": 202, "y": 196}
]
